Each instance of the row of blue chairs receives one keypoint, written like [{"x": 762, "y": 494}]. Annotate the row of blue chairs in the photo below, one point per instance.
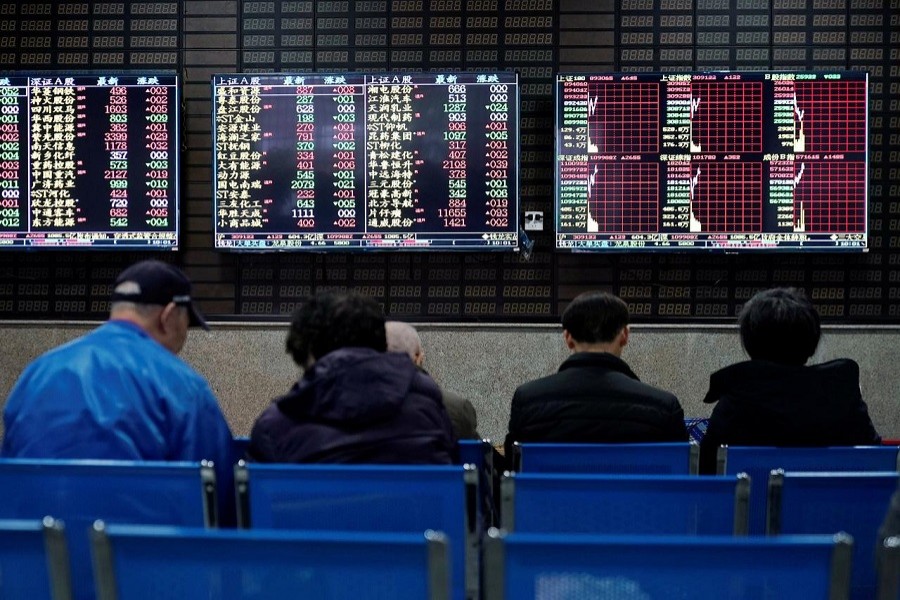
[
  {"x": 366, "y": 499},
  {"x": 144, "y": 562},
  {"x": 681, "y": 458},
  {"x": 853, "y": 496}
]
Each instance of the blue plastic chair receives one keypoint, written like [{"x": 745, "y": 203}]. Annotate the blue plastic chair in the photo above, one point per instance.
[
  {"x": 666, "y": 458},
  {"x": 829, "y": 502},
  {"x": 671, "y": 567},
  {"x": 368, "y": 498},
  {"x": 80, "y": 491},
  {"x": 758, "y": 461},
  {"x": 172, "y": 563},
  {"x": 579, "y": 503},
  {"x": 34, "y": 560}
]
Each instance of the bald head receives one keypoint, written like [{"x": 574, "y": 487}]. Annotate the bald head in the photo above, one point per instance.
[{"x": 403, "y": 337}]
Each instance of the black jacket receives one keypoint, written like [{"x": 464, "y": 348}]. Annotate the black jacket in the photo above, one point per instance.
[
  {"x": 761, "y": 403},
  {"x": 357, "y": 405},
  {"x": 595, "y": 397}
]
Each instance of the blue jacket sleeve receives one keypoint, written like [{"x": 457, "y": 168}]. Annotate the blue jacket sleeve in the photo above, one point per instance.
[{"x": 207, "y": 436}]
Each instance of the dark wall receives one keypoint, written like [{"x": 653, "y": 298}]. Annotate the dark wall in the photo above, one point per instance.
[{"x": 535, "y": 37}]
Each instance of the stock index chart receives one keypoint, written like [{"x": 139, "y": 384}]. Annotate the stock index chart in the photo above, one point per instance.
[{"x": 714, "y": 160}]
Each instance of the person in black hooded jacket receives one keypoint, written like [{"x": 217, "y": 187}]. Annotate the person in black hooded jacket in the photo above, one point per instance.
[
  {"x": 355, "y": 403},
  {"x": 775, "y": 399}
]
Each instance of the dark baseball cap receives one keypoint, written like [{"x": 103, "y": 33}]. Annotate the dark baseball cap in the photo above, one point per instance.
[{"x": 157, "y": 282}]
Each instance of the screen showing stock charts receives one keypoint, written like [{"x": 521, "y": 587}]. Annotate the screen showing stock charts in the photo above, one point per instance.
[
  {"x": 711, "y": 161},
  {"x": 405, "y": 161}
]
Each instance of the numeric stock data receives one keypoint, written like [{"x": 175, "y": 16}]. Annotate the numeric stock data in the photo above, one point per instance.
[
  {"x": 366, "y": 161},
  {"x": 89, "y": 160},
  {"x": 713, "y": 160}
]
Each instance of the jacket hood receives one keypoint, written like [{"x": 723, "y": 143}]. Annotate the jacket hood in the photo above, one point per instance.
[
  {"x": 351, "y": 386},
  {"x": 761, "y": 379}
]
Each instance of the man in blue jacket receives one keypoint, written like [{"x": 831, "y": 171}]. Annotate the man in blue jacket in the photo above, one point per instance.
[{"x": 121, "y": 391}]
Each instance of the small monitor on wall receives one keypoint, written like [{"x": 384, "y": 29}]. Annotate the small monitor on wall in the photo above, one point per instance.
[
  {"x": 344, "y": 161},
  {"x": 89, "y": 160},
  {"x": 713, "y": 161}
]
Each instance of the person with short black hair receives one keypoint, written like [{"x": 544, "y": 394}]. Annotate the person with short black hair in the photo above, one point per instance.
[
  {"x": 595, "y": 396},
  {"x": 780, "y": 325},
  {"x": 774, "y": 399},
  {"x": 121, "y": 392},
  {"x": 355, "y": 402}
]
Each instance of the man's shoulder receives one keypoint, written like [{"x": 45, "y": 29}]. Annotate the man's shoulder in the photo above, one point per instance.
[
  {"x": 536, "y": 388},
  {"x": 583, "y": 385}
]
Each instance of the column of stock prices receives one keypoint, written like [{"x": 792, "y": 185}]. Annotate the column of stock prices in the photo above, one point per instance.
[
  {"x": 717, "y": 161},
  {"x": 366, "y": 161},
  {"x": 89, "y": 161}
]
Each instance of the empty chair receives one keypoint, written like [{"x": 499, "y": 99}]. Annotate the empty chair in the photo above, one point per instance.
[
  {"x": 80, "y": 491},
  {"x": 588, "y": 503},
  {"x": 830, "y": 502},
  {"x": 160, "y": 563},
  {"x": 34, "y": 561},
  {"x": 369, "y": 498},
  {"x": 758, "y": 461},
  {"x": 638, "y": 567},
  {"x": 674, "y": 458}
]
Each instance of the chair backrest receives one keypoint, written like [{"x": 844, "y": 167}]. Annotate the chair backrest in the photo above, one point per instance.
[
  {"x": 239, "y": 445},
  {"x": 830, "y": 502},
  {"x": 637, "y": 567},
  {"x": 80, "y": 491},
  {"x": 481, "y": 454},
  {"x": 589, "y": 503},
  {"x": 758, "y": 461},
  {"x": 34, "y": 560},
  {"x": 368, "y": 498},
  {"x": 665, "y": 458},
  {"x": 172, "y": 563}
]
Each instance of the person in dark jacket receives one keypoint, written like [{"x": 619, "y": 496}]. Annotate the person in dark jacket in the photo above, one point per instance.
[
  {"x": 355, "y": 403},
  {"x": 595, "y": 396},
  {"x": 403, "y": 337},
  {"x": 774, "y": 399}
]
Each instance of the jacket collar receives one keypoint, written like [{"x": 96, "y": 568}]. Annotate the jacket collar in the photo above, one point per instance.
[
  {"x": 598, "y": 360},
  {"x": 750, "y": 371}
]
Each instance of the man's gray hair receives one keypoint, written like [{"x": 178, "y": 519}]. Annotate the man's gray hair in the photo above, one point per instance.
[{"x": 402, "y": 337}]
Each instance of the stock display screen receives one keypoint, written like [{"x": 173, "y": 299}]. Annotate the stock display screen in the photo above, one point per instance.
[
  {"x": 711, "y": 161},
  {"x": 89, "y": 161},
  {"x": 366, "y": 161}
]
